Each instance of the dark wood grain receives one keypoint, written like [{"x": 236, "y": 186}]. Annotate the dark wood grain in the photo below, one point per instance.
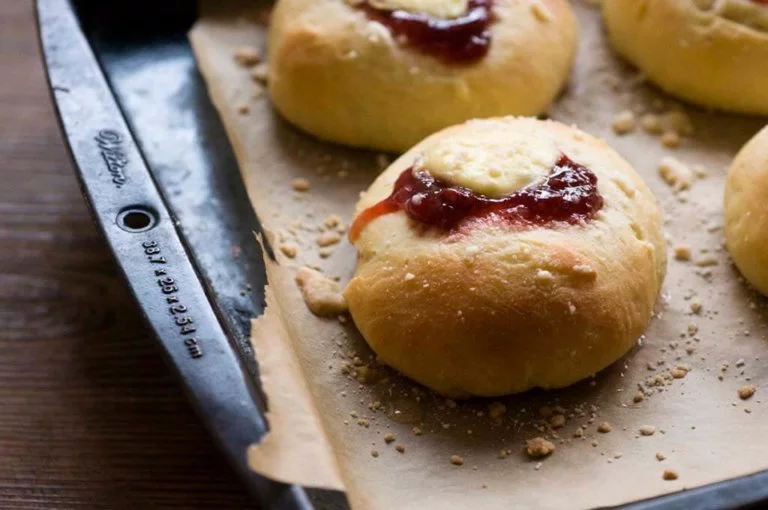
[{"x": 90, "y": 417}]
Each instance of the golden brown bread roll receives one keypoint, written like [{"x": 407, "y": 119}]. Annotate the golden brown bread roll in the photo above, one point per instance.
[
  {"x": 340, "y": 71},
  {"x": 711, "y": 52},
  {"x": 746, "y": 211},
  {"x": 505, "y": 254}
]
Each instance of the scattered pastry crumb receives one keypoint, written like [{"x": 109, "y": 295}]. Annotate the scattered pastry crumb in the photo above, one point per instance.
[
  {"x": 647, "y": 430},
  {"x": 328, "y": 238},
  {"x": 623, "y": 122},
  {"x": 243, "y": 109},
  {"x": 604, "y": 427},
  {"x": 683, "y": 253},
  {"x": 389, "y": 438},
  {"x": 696, "y": 306},
  {"x": 679, "y": 121},
  {"x": 670, "y": 474},
  {"x": 579, "y": 432},
  {"x": 457, "y": 460},
  {"x": 670, "y": 139},
  {"x": 651, "y": 123},
  {"x": 557, "y": 421},
  {"x": 333, "y": 221},
  {"x": 321, "y": 294},
  {"x": 416, "y": 431},
  {"x": 538, "y": 447},
  {"x": 300, "y": 184},
  {"x": 374, "y": 453},
  {"x": 706, "y": 261},
  {"x": 746, "y": 391},
  {"x": 400, "y": 448},
  {"x": 289, "y": 249},
  {"x": 700, "y": 171},
  {"x": 639, "y": 397},
  {"x": 260, "y": 72},
  {"x": 660, "y": 456},
  {"x": 247, "y": 56},
  {"x": 496, "y": 409},
  {"x": 675, "y": 173}
]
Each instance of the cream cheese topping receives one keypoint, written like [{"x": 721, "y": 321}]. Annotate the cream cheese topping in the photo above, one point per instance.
[
  {"x": 490, "y": 164},
  {"x": 446, "y": 9}
]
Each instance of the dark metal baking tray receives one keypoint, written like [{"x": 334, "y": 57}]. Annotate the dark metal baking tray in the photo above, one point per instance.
[{"x": 162, "y": 182}]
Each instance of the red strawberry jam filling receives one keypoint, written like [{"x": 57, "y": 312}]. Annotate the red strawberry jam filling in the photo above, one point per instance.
[
  {"x": 568, "y": 194},
  {"x": 461, "y": 40}
]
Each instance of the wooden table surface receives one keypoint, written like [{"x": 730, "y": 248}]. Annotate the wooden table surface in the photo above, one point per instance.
[{"x": 90, "y": 417}]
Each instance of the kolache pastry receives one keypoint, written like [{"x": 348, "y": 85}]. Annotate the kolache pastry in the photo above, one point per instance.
[
  {"x": 383, "y": 74},
  {"x": 746, "y": 211},
  {"x": 710, "y": 52},
  {"x": 505, "y": 254}
]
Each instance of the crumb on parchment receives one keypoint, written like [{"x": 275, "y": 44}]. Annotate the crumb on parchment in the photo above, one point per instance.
[
  {"x": 260, "y": 72},
  {"x": 670, "y": 474},
  {"x": 675, "y": 173},
  {"x": 623, "y": 122},
  {"x": 321, "y": 294},
  {"x": 289, "y": 249},
  {"x": 456, "y": 460},
  {"x": 300, "y": 184},
  {"x": 746, "y": 391},
  {"x": 604, "y": 427},
  {"x": 496, "y": 410},
  {"x": 328, "y": 238},
  {"x": 538, "y": 447}
]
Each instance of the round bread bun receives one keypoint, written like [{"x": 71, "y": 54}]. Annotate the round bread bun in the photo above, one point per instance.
[
  {"x": 709, "y": 52},
  {"x": 342, "y": 77},
  {"x": 746, "y": 211},
  {"x": 497, "y": 308}
]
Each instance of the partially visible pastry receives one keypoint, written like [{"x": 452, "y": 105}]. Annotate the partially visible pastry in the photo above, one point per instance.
[
  {"x": 710, "y": 52},
  {"x": 384, "y": 74},
  {"x": 746, "y": 211},
  {"x": 505, "y": 254}
]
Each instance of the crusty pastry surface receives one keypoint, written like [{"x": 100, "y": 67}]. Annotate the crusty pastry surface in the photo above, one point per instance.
[
  {"x": 344, "y": 78},
  {"x": 746, "y": 211},
  {"x": 501, "y": 309},
  {"x": 710, "y": 52}
]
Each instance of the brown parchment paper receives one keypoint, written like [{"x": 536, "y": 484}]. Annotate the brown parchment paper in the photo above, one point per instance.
[{"x": 705, "y": 431}]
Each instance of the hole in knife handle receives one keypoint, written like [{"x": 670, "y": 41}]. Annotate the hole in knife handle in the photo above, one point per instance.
[{"x": 136, "y": 219}]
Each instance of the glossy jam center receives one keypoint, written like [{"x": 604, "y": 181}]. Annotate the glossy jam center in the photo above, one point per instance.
[
  {"x": 568, "y": 194},
  {"x": 462, "y": 40},
  {"x": 761, "y": 2}
]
